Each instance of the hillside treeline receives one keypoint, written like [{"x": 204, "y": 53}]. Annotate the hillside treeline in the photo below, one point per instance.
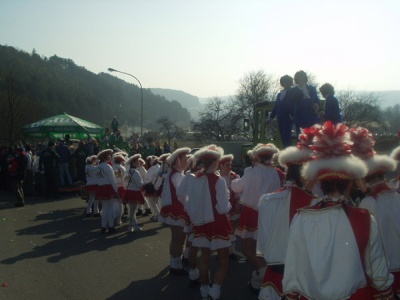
[{"x": 43, "y": 87}]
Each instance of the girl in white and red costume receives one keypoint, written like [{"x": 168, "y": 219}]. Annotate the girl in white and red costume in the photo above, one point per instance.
[
  {"x": 225, "y": 170},
  {"x": 172, "y": 212},
  {"x": 153, "y": 178},
  {"x": 133, "y": 194},
  {"x": 276, "y": 211},
  {"x": 334, "y": 250},
  {"x": 208, "y": 207},
  {"x": 107, "y": 190},
  {"x": 382, "y": 201},
  {"x": 263, "y": 177},
  {"x": 91, "y": 171},
  {"x": 120, "y": 174}
]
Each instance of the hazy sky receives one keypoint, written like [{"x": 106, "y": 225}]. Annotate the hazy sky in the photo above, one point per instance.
[{"x": 205, "y": 47}]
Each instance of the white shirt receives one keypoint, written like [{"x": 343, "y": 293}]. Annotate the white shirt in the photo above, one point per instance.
[
  {"x": 135, "y": 181},
  {"x": 386, "y": 209},
  {"x": 194, "y": 193},
  {"x": 92, "y": 172},
  {"x": 176, "y": 179},
  {"x": 120, "y": 174},
  {"x": 323, "y": 246},
  {"x": 152, "y": 176},
  {"x": 256, "y": 181},
  {"x": 106, "y": 176}
]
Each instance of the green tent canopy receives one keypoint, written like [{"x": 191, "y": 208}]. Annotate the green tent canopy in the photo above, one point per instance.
[{"x": 58, "y": 126}]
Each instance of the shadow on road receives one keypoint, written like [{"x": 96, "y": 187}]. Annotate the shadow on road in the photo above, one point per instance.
[{"x": 71, "y": 235}]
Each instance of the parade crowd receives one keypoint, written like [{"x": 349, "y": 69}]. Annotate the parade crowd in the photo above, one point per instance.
[{"x": 319, "y": 220}]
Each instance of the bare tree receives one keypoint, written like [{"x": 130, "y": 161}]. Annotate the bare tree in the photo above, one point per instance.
[
  {"x": 15, "y": 109},
  {"x": 360, "y": 108},
  {"x": 392, "y": 118},
  {"x": 255, "y": 87},
  {"x": 170, "y": 129},
  {"x": 219, "y": 121}
]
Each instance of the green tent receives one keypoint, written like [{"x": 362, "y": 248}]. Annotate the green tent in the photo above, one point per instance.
[{"x": 58, "y": 126}]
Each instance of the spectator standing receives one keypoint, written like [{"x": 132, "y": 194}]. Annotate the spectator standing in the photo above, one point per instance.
[
  {"x": 80, "y": 156},
  {"x": 114, "y": 125},
  {"x": 167, "y": 147},
  {"x": 63, "y": 166},
  {"x": 3, "y": 168},
  {"x": 28, "y": 185},
  {"x": 18, "y": 166},
  {"x": 306, "y": 103},
  {"x": 332, "y": 110},
  {"x": 150, "y": 151},
  {"x": 90, "y": 146},
  {"x": 157, "y": 150},
  {"x": 48, "y": 162}
]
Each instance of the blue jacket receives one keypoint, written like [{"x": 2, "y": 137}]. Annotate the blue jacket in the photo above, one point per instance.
[
  {"x": 304, "y": 115},
  {"x": 64, "y": 153},
  {"x": 332, "y": 110},
  {"x": 283, "y": 108}
]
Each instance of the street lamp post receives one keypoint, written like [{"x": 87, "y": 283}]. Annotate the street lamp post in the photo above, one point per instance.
[{"x": 141, "y": 97}]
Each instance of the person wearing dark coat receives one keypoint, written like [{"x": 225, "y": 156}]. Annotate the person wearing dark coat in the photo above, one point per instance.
[
  {"x": 283, "y": 109},
  {"x": 48, "y": 162},
  {"x": 80, "y": 156},
  {"x": 332, "y": 110},
  {"x": 306, "y": 104},
  {"x": 17, "y": 168}
]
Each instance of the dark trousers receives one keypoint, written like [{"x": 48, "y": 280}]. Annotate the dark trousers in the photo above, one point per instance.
[
  {"x": 18, "y": 190},
  {"x": 285, "y": 129},
  {"x": 52, "y": 184}
]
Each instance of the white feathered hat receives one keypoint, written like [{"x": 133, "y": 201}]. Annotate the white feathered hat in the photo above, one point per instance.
[
  {"x": 332, "y": 158},
  {"x": 191, "y": 162},
  {"x": 297, "y": 155},
  {"x": 211, "y": 151},
  {"x": 90, "y": 159},
  {"x": 264, "y": 149},
  {"x": 103, "y": 154},
  {"x": 177, "y": 153},
  {"x": 396, "y": 154},
  {"x": 163, "y": 157},
  {"x": 363, "y": 147},
  {"x": 151, "y": 159},
  {"x": 132, "y": 158},
  {"x": 119, "y": 159},
  {"x": 225, "y": 158}
]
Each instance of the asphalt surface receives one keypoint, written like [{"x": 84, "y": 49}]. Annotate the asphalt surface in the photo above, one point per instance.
[{"x": 48, "y": 250}]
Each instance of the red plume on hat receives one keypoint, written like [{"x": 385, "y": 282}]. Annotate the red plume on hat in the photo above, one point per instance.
[
  {"x": 306, "y": 137},
  {"x": 363, "y": 147},
  {"x": 331, "y": 141},
  {"x": 297, "y": 155},
  {"x": 363, "y": 143},
  {"x": 332, "y": 158}
]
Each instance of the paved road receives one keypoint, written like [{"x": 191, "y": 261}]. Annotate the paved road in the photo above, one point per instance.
[{"x": 49, "y": 251}]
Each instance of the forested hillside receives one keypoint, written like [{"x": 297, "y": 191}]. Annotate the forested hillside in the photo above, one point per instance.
[{"x": 54, "y": 85}]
